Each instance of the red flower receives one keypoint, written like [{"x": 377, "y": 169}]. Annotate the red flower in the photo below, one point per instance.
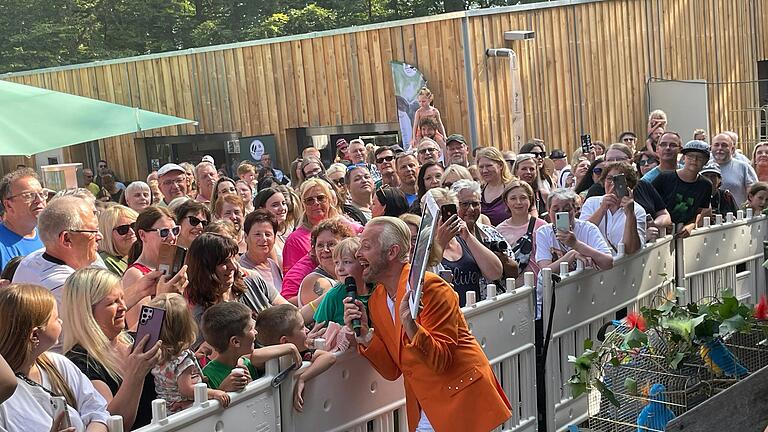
[
  {"x": 636, "y": 320},
  {"x": 761, "y": 308}
]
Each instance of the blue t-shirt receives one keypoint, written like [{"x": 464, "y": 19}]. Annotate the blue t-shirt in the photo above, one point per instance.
[
  {"x": 410, "y": 197},
  {"x": 13, "y": 245}
]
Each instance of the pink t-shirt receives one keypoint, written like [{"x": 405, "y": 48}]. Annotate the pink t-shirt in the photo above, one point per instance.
[
  {"x": 294, "y": 276},
  {"x": 513, "y": 232},
  {"x": 297, "y": 245}
]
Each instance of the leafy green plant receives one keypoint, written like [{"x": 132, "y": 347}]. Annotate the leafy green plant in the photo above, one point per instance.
[{"x": 683, "y": 329}]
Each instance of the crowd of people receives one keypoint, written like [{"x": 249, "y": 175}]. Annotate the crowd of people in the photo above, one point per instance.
[{"x": 268, "y": 257}]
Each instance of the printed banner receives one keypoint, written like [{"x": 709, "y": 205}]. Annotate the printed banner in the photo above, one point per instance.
[{"x": 408, "y": 81}]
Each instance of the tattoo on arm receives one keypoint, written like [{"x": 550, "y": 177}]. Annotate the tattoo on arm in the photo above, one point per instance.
[{"x": 317, "y": 288}]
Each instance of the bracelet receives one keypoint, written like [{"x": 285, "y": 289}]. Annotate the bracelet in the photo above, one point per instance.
[
  {"x": 313, "y": 306},
  {"x": 366, "y": 338}
]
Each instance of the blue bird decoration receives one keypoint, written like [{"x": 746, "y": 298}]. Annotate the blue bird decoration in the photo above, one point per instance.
[
  {"x": 721, "y": 360},
  {"x": 655, "y": 415}
]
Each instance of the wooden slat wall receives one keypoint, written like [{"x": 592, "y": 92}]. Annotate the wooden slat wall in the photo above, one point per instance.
[{"x": 586, "y": 71}]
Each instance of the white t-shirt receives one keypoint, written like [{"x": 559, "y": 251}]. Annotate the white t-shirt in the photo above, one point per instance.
[
  {"x": 612, "y": 225},
  {"x": 35, "y": 269},
  {"x": 29, "y": 409},
  {"x": 562, "y": 176},
  {"x": 585, "y": 232}
]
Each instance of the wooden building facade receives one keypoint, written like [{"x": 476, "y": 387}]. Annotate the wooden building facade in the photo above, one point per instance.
[{"x": 586, "y": 70}]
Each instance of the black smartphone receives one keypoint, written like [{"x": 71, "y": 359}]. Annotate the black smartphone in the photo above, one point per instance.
[
  {"x": 447, "y": 210},
  {"x": 620, "y": 185},
  {"x": 586, "y": 144},
  {"x": 170, "y": 259},
  {"x": 150, "y": 323}
]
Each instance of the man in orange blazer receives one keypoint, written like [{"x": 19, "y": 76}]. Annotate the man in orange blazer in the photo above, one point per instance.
[{"x": 449, "y": 384}]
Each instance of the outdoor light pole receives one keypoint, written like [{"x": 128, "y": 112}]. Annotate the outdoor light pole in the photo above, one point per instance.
[{"x": 516, "y": 101}]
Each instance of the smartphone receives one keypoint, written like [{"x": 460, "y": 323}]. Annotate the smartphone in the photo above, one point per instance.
[
  {"x": 59, "y": 405},
  {"x": 170, "y": 258},
  {"x": 620, "y": 185},
  {"x": 563, "y": 221},
  {"x": 586, "y": 144},
  {"x": 150, "y": 323},
  {"x": 447, "y": 210}
]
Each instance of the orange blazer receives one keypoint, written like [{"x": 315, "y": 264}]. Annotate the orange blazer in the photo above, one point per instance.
[{"x": 446, "y": 373}]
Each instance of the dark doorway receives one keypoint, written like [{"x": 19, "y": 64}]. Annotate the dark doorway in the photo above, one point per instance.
[{"x": 762, "y": 75}]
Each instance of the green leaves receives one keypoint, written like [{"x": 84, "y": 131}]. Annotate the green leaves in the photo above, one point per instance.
[{"x": 635, "y": 338}]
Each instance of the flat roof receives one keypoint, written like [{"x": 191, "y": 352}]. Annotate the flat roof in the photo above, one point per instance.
[{"x": 354, "y": 29}]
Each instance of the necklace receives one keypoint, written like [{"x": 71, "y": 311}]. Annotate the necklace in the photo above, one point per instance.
[{"x": 29, "y": 381}]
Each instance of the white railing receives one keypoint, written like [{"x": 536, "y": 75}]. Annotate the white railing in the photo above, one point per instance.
[{"x": 351, "y": 396}]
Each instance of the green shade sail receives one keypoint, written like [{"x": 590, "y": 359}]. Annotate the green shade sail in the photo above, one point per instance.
[{"x": 34, "y": 120}]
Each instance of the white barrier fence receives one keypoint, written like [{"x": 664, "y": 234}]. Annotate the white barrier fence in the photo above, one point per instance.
[
  {"x": 721, "y": 256},
  {"x": 351, "y": 396}
]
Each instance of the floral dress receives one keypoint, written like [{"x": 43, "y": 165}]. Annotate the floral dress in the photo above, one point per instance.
[{"x": 167, "y": 380}]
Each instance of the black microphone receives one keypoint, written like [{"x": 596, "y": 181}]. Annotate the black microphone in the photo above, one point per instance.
[{"x": 352, "y": 293}]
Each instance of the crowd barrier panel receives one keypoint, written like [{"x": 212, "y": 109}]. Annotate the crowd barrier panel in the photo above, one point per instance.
[
  {"x": 724, "y": 255},
  {"x": 352, "y": 396}
]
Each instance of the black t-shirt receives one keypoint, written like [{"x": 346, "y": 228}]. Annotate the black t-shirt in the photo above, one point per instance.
[
  {"x": 466, "y": 273},
  {"x": 723, "y": 202},
  {"x": 595, "y": 190},
  {"x": 683, "y": 200},
  {"x": 645, "y": 195},
  {"x": 95, "y": 371}
]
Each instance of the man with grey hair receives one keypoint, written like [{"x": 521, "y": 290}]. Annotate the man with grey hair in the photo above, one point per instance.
[
  {"x": 206, "y": 177},
  {"x": 69, "y": 230},
  {"x": 432, "y": 351},
  {"x": 581, "y": 240},
  {"x": 22, "y": 199}
]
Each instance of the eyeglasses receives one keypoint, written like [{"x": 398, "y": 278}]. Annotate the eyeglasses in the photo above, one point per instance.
[
  {"x": 82, "y": 231},
  {"x": 429, "y": 150},
  {"x": 540, "y": 155},
  {"x": 330, "y": 245},
  {"x": 383, "y": 159},
  {"x": 30, "y": 196},
  {"x": 123, "y": 229},
  {"x": 194, "y": 221},
  {"x": 339, "y": 182},
  {"x": 468, "y": 204},
  {"x": 644, "y": 162},
  {"x": 320, "y": 199},
  {"x": 165, "y": 232},
  {"x": 597, "y": 170}
]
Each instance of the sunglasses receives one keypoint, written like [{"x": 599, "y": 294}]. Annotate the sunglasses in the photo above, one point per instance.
[
  {"x": 123, "y": 229},
  {"x": 645, "y": 162},
  {"x": 385, "y": 159},
  {"x": 165, "y": 232},
  {"x": 597, "y": 170},
  {"x": 320, "y": 199},
  {"x": 540, "y": 155},
  {"x": 339, "y": 181},
  {"x": 194, "y": 221}
]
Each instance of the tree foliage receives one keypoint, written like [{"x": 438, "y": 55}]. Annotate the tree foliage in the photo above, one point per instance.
[{"x": 40, "y": 33}]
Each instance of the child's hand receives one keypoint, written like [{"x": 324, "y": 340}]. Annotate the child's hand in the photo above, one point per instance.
[
  {"x": 235, "y": 383},
  {"x": 220, "y": 396},
  {"x": 298, "y": 395},
  {"x": 296, "y": 354},
  {"x": 204, "y": 350}
]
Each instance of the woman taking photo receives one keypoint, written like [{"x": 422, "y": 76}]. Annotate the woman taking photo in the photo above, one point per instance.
[
  {"x": 495, "y": 175},
  {"x": 30, "y": 326},
  {"x": 96, "y": 342},
  {"x": 325, "y": 236},
  {"x": 215, "y": 277},
  {"x": 117, "y": 223},
  {"x": 260, "y": 227},
  {"x": 518, "y": 230},
  {"x": 154, "y": 226},
  {"x": 192, "y": 216},
  {"x": 319, "y": 204},
  {"x": 137, "y": 196}
]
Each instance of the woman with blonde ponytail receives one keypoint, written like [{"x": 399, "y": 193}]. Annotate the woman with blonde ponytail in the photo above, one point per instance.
[
  {"x": 95, "y": 340},
  {"x": 29, "y": 326}
]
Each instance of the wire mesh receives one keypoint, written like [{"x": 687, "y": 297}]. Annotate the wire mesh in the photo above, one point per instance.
[{"x": 690, "y": 384}]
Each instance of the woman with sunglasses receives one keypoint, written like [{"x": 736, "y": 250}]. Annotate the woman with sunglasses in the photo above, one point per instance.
[
  {"x": 544, "y": 182},
  {"x": 335, "y": 173},
  {"x": 154, "y": 226},
  {"x": 320, "y": 203},
  {"x": 117, "y": 223},
  {"x": 594, "y": 171},
  {"x": 192, "y": 216},
  {"x": 495, "y": 176},
  {"x": 646, "y": 161}
]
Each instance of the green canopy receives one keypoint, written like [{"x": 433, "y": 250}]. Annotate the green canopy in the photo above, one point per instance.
[{"x": 34, "y": 120}]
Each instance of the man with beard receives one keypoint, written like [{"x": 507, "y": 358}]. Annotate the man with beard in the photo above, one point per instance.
[
  {"x": 444, "y": 369},
  {"x": 206, "y": 176},
  {"x": 385, "y": 162},
  {"x": 22, "y": 199},
  {"x": 737, "y": 176},
  {"x": 458, "y": 151},
  {"x": 407, "y": 170},
  {"x": 360, "y": 186}
]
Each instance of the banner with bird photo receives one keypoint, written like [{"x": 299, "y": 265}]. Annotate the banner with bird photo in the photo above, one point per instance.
[{"x": 408, "y": 81}]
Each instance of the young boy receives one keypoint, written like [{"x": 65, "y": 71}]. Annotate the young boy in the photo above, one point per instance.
[
  {"x": 283, "y": 324},
  {"x": 229, "y": 329}
]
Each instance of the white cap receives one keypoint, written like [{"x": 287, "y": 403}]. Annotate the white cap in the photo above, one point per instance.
[
  {"x": 169, "y": 167},
  {"x": 209, "y": 159}
]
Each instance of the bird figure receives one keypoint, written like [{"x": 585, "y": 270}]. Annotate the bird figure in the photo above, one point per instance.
[
  {"x": 655, "y": 415},
  {"x": 721, "y": 360}
]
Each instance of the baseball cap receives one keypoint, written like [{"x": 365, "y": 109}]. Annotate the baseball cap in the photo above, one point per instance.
[
  {"x": 711, "y": 168},
  {"x": 456, "y": 137},
  {"x": 342, "y": 143},
  {"x": 169, "y": 167},
  {"x": 209, "y": 159},
  {"x": 697, "y": 146},
  {"x": 557, "y": 154}
]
